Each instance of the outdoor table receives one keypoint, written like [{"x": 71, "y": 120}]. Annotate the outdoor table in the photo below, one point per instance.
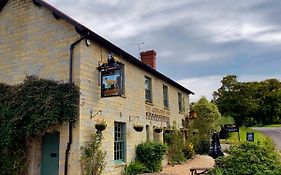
[{"x": 200, "y": 170}]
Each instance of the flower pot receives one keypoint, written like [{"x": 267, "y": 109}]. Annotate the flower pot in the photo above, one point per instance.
[
  {"x": 158, "y": 130},
  {"x": 100, "y": 127},
  {"x": 138, "y": 128}
]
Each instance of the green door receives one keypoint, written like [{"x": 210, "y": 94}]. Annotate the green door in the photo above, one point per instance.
[{"x": 50, "y": 154}]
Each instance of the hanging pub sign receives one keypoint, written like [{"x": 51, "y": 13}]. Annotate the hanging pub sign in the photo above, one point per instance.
[{"x": 112, "y": 78}]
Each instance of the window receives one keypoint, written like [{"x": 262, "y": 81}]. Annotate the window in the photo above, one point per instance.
[
  {"x": 148, "y": 91},
  {"x": 119, "y": 142},
  {"x": 165, "y": 96},
  {"x": 181, "y": 102}
]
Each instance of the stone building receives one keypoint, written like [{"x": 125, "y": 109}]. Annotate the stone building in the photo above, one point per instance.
[{"x": 38, "y": 39}]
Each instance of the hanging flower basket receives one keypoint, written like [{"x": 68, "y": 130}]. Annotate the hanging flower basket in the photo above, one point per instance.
[
  {"x": 100, "y": 127},
  {"x": 138, "y": 128},
  {"x": 100, "y": 124},
  {"x": 158, "y": 129}
]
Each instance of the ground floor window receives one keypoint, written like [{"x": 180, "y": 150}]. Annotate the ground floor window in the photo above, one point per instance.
[{"x": 119, "y": 142}]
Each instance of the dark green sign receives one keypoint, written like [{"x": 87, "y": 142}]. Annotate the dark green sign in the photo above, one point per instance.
[{"x": 250, "y": 136}]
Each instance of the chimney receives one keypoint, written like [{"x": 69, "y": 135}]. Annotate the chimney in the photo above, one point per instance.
[{"x": 149, "y": 58}]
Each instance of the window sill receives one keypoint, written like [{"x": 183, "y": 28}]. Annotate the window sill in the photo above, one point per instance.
[
  {"x": 149, "y": 103},
  {"x": 119, "y": 164}
]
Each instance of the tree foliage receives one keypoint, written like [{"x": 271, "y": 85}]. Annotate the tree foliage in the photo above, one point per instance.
[
  {"x": 27, "y": 110},
  {"x": 249, "y": 103},
  {"x": 206, "y": 122}
]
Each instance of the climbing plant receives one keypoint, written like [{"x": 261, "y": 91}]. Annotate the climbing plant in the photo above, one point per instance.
[
  {"x": 27, "y": 110},
  {"x": 93, "y": 158}
]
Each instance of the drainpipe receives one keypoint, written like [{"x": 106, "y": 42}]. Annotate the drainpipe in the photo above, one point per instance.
[{"x": 70, "y": 124}]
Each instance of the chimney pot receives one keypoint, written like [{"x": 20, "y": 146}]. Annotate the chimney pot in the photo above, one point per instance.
[{"x": 149, "y": 58}]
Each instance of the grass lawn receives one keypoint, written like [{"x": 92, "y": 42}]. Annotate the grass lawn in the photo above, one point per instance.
[
  {"x": 272, "y": 125},
  {"x": 242, "y": 132}
]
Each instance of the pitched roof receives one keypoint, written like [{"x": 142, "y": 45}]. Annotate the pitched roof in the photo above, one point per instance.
[{"x": 81, "y": 29}]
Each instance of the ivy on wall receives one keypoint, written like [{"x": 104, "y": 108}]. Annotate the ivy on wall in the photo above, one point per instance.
[{"x": 28, "y": 110}]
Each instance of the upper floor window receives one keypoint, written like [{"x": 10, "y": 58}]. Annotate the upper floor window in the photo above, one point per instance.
[
  {"x": 181, "y": 102},
  {"x": 165, "y": 96},
  {"x": 148, "y": 89}
]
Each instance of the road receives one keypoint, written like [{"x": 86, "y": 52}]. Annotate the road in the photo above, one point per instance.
[{"x": 274, "y": 133}]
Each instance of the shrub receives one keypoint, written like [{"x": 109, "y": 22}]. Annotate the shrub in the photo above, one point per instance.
[
  {"x": 135, "y": 168},
  {"x": 188, "y": 151},
  {"x": 151, "y": 155},
  {"x": 175, "y": 148},
  {"x": 249, "y": 158},
  {"x": 202, "y": 146}
]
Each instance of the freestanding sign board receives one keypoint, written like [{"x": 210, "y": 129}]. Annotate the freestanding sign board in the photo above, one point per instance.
[
  {"x": 250, "y": 136},
  {"x": 232, "y": 128}
]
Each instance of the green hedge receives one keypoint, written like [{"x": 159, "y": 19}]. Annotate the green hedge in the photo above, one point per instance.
[
  {"x": 27, "y": 110},
  {"x": 249, "y": 158},
  {"x": 151, "y": 155},
  {"x": 135, "y": 168}
]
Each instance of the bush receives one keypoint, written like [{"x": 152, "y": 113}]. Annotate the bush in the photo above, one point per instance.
[
  {"x": 249, "y": 158},
  {"x": 135, "y": 168},
  {"x": 202, "y": 146},
  {"x": 188, "y": 151},
  {"x": 151, "y": 155},
  {"x": 176, "y": 147}
]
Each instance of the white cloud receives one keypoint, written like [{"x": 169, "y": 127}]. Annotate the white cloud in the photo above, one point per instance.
[
  {"x": 189, "y": 34},
  {"x": 202, "y": 57},
  {"x": 202, "y": 86}
]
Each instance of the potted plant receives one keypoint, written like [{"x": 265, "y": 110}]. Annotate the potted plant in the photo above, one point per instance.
[
  {"x": 157, "y": 129},
  {"x": 101, "y": 124},
  {"x": 138, "y": 127}
]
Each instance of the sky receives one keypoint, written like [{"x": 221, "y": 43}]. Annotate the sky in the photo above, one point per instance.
[{"x": 198, "y": 42}]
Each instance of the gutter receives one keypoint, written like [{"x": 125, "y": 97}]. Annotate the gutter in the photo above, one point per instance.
[{"x": 70, "y": 124}]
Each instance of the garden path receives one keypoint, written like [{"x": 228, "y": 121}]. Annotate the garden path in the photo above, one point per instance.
[{"x": 183, "y": 169}]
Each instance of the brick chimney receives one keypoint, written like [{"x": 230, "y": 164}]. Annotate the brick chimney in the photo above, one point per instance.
[{"x": 149, "y": 58}]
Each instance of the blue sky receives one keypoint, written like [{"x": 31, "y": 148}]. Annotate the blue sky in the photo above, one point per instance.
[{"x": 197, "y": 41}]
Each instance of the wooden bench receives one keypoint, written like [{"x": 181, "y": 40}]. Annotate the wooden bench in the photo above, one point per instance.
[{"x": 200, "y": 170}]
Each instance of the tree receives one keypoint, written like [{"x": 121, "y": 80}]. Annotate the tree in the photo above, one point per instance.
[
  {"x": 206, "y": 122},
  {"x": 249, "y": 103}
]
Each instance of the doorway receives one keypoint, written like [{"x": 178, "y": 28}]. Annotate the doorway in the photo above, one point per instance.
[{"x": 50, "y": 154}]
